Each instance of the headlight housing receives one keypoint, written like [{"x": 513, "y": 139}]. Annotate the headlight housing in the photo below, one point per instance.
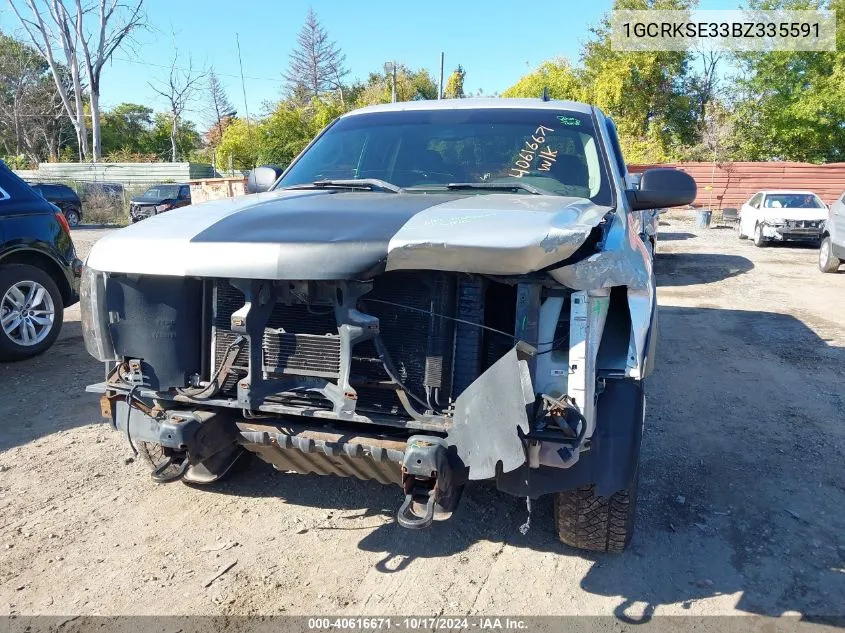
[
  {"x": 163, "y": 207},
  {"x": 776, "y": 222},
  {"x": 95, "y": 316}
]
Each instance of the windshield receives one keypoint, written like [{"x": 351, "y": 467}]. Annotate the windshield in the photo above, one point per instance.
[
  {"x": 555, "y": 151},
  {"x": 792, "y": 201},
  {"x": 162, "y": 192}
]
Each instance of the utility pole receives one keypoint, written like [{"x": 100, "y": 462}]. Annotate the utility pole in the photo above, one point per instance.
[
  {"x": 440, "y": 85},
  {"x": 390, "y": 67}
]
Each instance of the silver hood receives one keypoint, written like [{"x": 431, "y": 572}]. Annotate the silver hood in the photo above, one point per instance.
[{"x": 342, "y": 234}]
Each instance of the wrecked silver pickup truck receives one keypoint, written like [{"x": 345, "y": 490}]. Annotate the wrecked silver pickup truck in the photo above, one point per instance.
[{"x": 432, "y": 293}]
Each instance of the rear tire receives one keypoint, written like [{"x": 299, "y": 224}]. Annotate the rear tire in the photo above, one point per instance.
[
  {"x": 598, "y": 524},
  {"x": 828, "y": 262},
  {"x": 17, "y": 275},
  {"x": 73, "y": 217}
]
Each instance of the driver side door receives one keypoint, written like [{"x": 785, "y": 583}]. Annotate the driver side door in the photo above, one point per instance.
[{"x": 748, "y": 214}]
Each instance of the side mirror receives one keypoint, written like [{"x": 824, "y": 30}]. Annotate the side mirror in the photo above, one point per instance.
[
  {"x": 662, "y": 187},
  {"x": 262, "y": 178}
]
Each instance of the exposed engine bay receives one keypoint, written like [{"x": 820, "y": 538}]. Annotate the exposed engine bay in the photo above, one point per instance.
[{"x": 430, "y": 295}]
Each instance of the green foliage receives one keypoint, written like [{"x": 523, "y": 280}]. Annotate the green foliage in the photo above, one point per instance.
[
  {"x": 31, "y": 115},
  {"x": 454, "y": 88},
  {"x": 126, "y": 129},
  {"x": 557, "y": 75},
  {"x": 792, "y": 104},
  {"x": 134, "y": 133},
  {"x": 411, "y": 85}
]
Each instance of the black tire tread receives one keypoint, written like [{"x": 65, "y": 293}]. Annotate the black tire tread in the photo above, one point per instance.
[
  {"x": 833, "y": 262},
  {"x": 598, "y": 524},
  {"x": 10, "y": 273}
]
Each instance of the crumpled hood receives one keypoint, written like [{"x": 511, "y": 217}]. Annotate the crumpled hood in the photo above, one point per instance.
[{"x": 342, "y": 234}]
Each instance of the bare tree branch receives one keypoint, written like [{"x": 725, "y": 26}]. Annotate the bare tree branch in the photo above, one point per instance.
[{"x": 179, "y": 89}]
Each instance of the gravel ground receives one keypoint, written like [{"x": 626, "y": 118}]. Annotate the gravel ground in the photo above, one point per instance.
[{"x": 742, "y": 505}]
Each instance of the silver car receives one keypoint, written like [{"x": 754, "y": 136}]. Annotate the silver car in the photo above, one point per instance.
[{"x": 832, "y": 246}]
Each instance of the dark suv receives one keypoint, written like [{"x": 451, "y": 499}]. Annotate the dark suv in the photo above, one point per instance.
[
  {"x": 63, "y": 197},
  {"x": 39, "y": 270},
  {"x": 158, "y": 199}
]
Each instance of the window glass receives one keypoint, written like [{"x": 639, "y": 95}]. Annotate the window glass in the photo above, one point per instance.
[
  {"x": 555, "y": 151},
  {"x": 792, "y": 201}
]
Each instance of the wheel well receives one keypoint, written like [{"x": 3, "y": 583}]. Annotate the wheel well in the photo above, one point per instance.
[{"x": 45, "y": 263}]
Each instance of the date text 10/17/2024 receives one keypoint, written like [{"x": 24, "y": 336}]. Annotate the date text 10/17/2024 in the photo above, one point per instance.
[{"x": 418, "y": 624}]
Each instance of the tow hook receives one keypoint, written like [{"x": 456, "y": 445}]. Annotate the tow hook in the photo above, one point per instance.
[
  {"x": 158, "y": 475},
  {"x": 426, "y": 480}
]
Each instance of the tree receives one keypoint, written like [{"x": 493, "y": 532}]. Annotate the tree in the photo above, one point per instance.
[
  {"x": 643, "y": 91},
  {"x": 47, "y": 33},
  {"x": 32, "y": 118},
  {"x": 178, "y": 90},
  {"x": 411, "y": 85},
  {"x": 455, "y": 84},
  {"x": 219, "y": 107},
  {"x": 126, "y": 130},
  {"x": 162, "y": 137},
  {"x": 557, "y": 75},
  {"x": 316, "y": 64},
  {"x": 115, "y": 22},
  {"x": 88, "y": 35},
  {"x": 792, "y": 103}
]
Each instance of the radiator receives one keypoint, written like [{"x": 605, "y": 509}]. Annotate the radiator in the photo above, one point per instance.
[{"x": 302, "y": 340}]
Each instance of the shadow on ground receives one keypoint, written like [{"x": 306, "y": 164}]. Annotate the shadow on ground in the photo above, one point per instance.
[
  {"x": 688, "y": 269},
  {"x": 725, "y": 506},
  {"x": 672, "y": 237},
  {"x": 35, "y": 404}
]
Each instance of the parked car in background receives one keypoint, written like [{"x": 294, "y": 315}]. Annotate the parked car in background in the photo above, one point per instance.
[
  {"x": 158, "y": 199},
  {"x": 779, "y": 216},
  {"x": 39, "y": 270},
  {"x": 63, "y": 197},
  {"x": 832, "y": 246}
]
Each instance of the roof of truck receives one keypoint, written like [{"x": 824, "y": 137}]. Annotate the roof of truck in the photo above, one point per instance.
[{"x": 475, "y": 103}]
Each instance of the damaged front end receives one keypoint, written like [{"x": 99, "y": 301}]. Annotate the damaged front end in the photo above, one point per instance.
[{"x": 426, "y": 373}]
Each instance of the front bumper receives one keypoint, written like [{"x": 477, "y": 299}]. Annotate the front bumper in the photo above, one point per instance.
[
  {"x": 792, "y": 233},
  {"x": 141, "y": 212}
]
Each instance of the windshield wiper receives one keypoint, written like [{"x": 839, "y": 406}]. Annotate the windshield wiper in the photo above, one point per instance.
[
  {"x": 497, "y": 186},
  {"x": 371, "y": 184}
]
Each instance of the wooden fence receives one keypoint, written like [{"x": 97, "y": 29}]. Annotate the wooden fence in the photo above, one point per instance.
[{"x": 722, "y": 185}]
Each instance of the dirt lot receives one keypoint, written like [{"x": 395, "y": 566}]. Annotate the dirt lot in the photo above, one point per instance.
[{"x": 742, "y": 490}]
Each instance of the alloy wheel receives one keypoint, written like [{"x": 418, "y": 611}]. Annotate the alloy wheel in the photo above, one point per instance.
[{"x": 27, "y": 313}]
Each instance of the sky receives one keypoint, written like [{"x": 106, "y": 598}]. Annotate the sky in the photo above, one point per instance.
[{"x": 496, "y": 41}]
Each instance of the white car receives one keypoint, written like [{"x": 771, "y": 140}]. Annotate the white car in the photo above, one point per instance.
[{"x": 779, "y": 216}]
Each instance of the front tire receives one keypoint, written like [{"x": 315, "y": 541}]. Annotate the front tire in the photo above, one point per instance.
[
  {"x": 598, "y": 524},
  {"x": 31, "y": 311},
  {"x": 759, "y": 240},
  {"x": 828, "y": 262}
]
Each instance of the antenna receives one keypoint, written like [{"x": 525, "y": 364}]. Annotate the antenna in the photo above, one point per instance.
[
  {"x": 243, "y": 87},
  {"x": 545, "y": 96}
]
